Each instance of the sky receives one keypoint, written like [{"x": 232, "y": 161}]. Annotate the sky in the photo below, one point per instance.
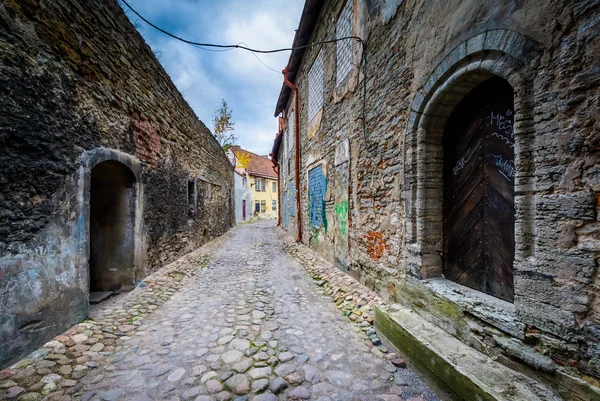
[{"x": 205, "y": 77}]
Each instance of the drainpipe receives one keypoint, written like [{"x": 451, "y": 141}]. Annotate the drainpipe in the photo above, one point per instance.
[
  {"x": 297, "y": 149},
  {"x": 276, "y": 170}
]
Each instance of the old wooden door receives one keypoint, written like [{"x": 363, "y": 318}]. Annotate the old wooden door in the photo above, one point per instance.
[{"x": 479, "y": 214}]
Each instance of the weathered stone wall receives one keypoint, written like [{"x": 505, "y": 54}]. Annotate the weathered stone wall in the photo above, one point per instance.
[
  {"x": 79, "y": 86},
  {"x": 423, "y": 57}
]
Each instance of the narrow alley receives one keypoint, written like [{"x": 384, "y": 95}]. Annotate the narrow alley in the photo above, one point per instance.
[{"x": 250, "y": 323}]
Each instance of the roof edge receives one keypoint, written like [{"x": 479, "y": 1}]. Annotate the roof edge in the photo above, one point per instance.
[{"x": 308, "y": 20}]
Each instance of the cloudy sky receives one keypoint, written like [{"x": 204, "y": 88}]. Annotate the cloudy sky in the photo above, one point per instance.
[{"x": 206, "y": 77}]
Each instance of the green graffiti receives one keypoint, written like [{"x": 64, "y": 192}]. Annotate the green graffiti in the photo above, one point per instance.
[
  {"x": 315, "y": 237},
  {"x": 341, "y": 215}
]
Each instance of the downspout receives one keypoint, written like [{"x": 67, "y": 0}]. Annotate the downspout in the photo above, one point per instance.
[
  {"x": 297, "y": 149},
  {"x": 276, "y": 170}
]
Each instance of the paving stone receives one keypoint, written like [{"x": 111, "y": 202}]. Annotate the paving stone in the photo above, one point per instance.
[
  {"x": 265, "y": 397},
  {"x": 239, "y": 384},
  {"x": 204, "y": 398},
  {"x": 239, "y": 344},
  {"x": 176, "y": 375},
  {"x": 286, "y": 356},
  {"x": 213, "y": 386},
  {"x": 231, "y": 356},
  {"x": 111, "y": 395},
  {"x": 260, "y": 385},
  {"x": 259, "y": 373},
  {"x": 192, "y": 392},
  {"x": 285, "y": 369},
  {"x": 278, "y": 385},
  {"x": 299, "y": 393},
  {"x": 389, "y": 397}
]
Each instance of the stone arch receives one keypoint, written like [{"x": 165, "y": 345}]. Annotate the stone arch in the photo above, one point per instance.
[
  {"x": 112, "y": 199},
  {"x": 502, "y": 53}
]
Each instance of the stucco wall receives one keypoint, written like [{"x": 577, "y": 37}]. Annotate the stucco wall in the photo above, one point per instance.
[
  {"x": 78, "y": 86},
  {"x": 422, "y": 58}
]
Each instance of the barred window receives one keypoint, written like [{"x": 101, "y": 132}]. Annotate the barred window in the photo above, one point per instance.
[
  {"x": 343, "y": 28},
  {"x": 315, "y": 87}
]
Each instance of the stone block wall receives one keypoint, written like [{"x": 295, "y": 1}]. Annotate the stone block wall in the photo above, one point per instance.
[
  {"x": 422, "y": 58},
  {"x": 79, "y": 86}
]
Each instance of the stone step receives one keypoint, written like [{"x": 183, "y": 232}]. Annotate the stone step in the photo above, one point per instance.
[
  {"x": 471, "y": 374},
  {"x": 98, "y": 296}
]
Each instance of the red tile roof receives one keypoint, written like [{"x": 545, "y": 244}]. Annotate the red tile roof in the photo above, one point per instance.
[{"x": 259, "y": 165}]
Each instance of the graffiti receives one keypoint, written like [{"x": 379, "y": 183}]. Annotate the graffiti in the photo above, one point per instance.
[
  {"x": 461, "y": 163},
  {"x": 317, "y": 188},
  {"x": 30, "y": 275},
  {"x": 504, "y": 139},
  {"x": 503, "y": 122},
  {"x": 341, "y": 215},
  {"x": 505, "y": 167}
]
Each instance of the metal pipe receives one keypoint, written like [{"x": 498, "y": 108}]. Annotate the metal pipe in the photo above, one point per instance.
[{"x": 297, "y": 148}]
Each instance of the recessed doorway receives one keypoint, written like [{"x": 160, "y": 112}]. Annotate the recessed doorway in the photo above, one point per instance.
[
  {"x": 479, "y": 206},
  {"x": 112, "y": 229}
]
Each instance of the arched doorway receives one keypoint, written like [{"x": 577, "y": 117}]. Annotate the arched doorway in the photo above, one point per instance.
[
  {"x": 112, "y": 229},
  {"x": 479, "y": 211}
]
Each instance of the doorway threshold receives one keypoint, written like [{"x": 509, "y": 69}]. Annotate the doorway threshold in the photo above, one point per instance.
[{"x": 98, "y": 296}]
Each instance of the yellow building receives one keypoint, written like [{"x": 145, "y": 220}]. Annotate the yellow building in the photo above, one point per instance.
[{"x": 261, "y": 182}]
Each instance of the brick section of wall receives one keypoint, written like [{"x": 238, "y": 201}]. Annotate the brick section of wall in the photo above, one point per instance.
[
  {"x": 558, "y": 211},
  {"x": 78, "y": 79}
]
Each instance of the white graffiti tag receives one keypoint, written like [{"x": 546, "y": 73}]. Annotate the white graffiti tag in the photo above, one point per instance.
[{"x": 461, "y": 163}]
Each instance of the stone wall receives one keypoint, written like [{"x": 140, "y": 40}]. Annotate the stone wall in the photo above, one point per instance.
[
  {"x": 79, "y": 86},
  {"x": 422, "y": 58}
]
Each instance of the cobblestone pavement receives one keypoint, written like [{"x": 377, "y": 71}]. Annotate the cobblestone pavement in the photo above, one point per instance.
[{"x": 252, "y": 325}]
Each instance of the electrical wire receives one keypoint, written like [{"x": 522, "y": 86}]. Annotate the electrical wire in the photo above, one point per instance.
[
  {"x": 244, "y": 46},
  {"x": 238, "y": 46},
  {"x": 258, "y": 58}
]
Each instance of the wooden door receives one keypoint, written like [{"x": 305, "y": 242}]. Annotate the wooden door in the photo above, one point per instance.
[
  {"x": 243, "y": 210},
  {"x": 479, "y": 214}
]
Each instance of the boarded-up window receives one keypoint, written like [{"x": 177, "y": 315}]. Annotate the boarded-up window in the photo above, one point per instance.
[
  {"x": 315, "y": 87},
  {"x": 343, "y": 29}
]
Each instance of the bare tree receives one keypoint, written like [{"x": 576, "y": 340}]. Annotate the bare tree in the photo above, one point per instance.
[{"x": 223, "y": 126}]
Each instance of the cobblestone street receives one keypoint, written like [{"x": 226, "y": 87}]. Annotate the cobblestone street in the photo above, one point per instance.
[{"x": 252, "y": 325}]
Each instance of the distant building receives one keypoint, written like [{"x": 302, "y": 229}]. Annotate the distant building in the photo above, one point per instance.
[{"x": 261, "y": 181}]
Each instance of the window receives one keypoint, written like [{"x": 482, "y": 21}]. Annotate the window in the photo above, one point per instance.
[
  {"x": 315, "y": 87},
  {"x": 274, "y": 185},
  {"x": 263, "y": 206},
  {"x": 191, "y": 197},
  {"x": 259, "y": 185},
  {"x": 244, "y": 182},
  {"x": 274, "y": 205},
  {"x": 344, "y": 28}
]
